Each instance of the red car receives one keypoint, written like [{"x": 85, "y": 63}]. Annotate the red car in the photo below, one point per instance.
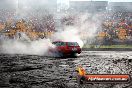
[{"x": 66, "y": 48}]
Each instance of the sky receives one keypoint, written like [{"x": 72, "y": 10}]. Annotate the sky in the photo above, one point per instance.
[{"x": 106, "y": 0}]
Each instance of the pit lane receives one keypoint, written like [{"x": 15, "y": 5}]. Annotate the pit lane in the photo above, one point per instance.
[{"x": 30, "y": 71}]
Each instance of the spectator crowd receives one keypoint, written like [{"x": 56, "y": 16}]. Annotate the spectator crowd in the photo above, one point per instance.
[
  {"x": 115, "y": 26},
  {"x": 33, "y": 25}
]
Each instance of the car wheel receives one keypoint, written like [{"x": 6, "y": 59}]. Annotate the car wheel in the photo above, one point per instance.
[
  {"x": 73, "y": 55},
  {"x": 60, "y": 54}
]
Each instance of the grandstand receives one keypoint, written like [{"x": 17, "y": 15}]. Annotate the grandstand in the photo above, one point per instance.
[
  {"x": 120, "y": 6},
  {"x": 88, "y": 6},
  {"x": 115, "y": 21}
]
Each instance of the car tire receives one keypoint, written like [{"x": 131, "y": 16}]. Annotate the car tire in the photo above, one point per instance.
[
  {"x": 60, "y": 54},
  {"x": 73, "y": 55}
]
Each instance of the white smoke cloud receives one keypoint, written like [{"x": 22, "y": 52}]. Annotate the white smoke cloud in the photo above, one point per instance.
[
  {"x": 41, "y": 46},
  {"x": 37, "y": 47},
  {"x": 88, "y": 26},
  {"x": 84, "y": 29},
  {"x": 70, "y": 34}
]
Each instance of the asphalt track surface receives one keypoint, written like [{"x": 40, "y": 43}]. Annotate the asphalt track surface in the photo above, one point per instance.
[{"x": 30, "y": 71}]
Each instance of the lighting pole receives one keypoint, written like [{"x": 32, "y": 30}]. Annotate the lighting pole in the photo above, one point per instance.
[{"x": 17, "y": 8}]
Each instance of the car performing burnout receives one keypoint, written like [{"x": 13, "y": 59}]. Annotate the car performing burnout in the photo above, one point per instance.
[{"x": 66, "y": 48}]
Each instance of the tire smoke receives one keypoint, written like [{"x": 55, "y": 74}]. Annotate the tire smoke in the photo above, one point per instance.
[{"x": 37, "y": 47}]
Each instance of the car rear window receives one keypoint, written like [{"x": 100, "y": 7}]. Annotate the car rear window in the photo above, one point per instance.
[
  {"x": 72, "y": 44},
  {"x": 59, "y": 43}
]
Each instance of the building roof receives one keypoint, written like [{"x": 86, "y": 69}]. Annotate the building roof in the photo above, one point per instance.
[
  {"x": 120, "y": 4},
  {"x": 88, "y": 3}
]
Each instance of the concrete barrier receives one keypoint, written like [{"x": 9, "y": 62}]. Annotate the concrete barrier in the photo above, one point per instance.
[{"x": 107, "y": 49}]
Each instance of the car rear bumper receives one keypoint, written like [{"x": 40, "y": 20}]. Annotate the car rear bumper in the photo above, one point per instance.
[{"x": 71, "y": 51}]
